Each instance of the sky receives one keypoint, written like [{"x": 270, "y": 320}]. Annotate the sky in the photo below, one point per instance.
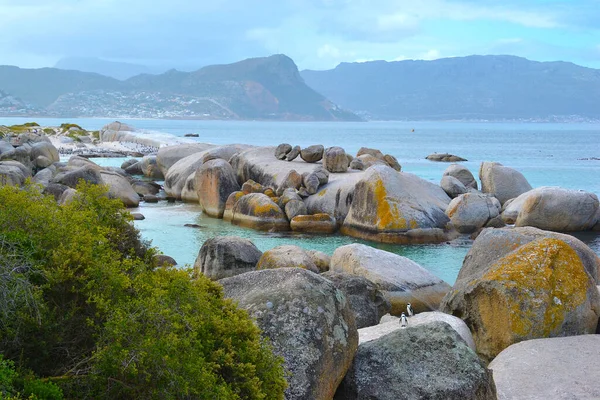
[{"x": 317, "y": 34}]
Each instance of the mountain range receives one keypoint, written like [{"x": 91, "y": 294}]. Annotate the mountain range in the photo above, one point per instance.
[
  {"x": 464, "y": 88},
  {"x": 256, "y": 88},
  {"x": 461, "y": 88}
]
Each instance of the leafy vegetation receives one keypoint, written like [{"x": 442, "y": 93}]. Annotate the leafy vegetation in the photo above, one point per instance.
[
  {"x": 17, "y": 386},
  {"x": 66, "y": 126},
  {"x": 83, "y": 306}
]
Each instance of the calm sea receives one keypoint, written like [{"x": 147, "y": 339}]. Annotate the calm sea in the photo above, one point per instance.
[{"x": 547, "y": 154}]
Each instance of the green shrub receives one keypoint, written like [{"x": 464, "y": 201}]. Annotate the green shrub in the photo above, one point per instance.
[
  {"x": 97, "y": 317},
  {"x": 15, "y": 386},
  {"x": 49, "y": 131},
  {"x": 65, "y": 127}
]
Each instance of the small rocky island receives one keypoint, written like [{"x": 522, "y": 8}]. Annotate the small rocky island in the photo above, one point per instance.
[{"x": 525, "y": 286}]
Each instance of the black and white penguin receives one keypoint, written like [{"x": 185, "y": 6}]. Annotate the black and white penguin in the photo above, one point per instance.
[
  {"x": 403, "y": 321},
  {"x": 409, "y": 310}
]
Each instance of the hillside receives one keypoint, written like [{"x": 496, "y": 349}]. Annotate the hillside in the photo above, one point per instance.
[
  {"x": 117, "y": 70},
  {"x": 259, "y": 88},
  {"x": 474, "y": 87}
]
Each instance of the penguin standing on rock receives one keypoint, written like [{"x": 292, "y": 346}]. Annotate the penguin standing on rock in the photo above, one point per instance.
[
  {"x": 409, "y": 310},
  {"x": 403, "y": 321}
]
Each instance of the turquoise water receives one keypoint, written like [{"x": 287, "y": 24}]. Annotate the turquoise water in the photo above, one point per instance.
[{"x": 547, "y": 154}]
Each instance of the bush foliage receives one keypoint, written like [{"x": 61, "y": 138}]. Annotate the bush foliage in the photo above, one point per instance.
[{"x": 83, "y": 305}]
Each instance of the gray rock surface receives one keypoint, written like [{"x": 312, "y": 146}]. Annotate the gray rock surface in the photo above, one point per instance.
[
  {"x": 72, "y": 177},
  {"x": 392, "y": 162},
  {"x": 429, "y": 361},
  {"x": 120, "y": 188},
  {"x": 373, "y": 152},
  {"x": 282, "y": 150},
  {"x": 311, "y": 182},
  {"x": 150, "y": 168},
  {"x": 556, "y": 209},
  {"x": 11, "y": 174},
  {"x": 293, "y": 154},
  {"x": 169, "y": 155},
  {"x": 502, "y": 182},
  {"x": 287, "y": 256},
  {"x": 258, "y": 211},
  {"x": 308, "y": 321},
  {"x": 559, "y": 369},
  {"x": 44, "y": 149},
  {"x": 225, "y": 256},
  {"x": 471, "y": 211},
  {"x": 366, "y": 300},
  {"x": 390, "y": 323},
  {"x": 335, "y": 160},
  {"x": 294, "y": 208},
  {"x": 312, "y": 154},
  {"x": 444, "y": 157},
  {"x": 461, "y": 173},
  {"x": 452, "y": 186},
  {"x": 400, "y": 280},
  {"x": 320, "y": 259}
]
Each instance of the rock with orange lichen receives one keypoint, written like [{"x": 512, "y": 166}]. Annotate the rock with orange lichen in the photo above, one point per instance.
[
  {"x": 215, "y": 181},
  {"x": 287, "y": 256},
  {"x": 540, "y": 290},
  {"x": 396, "y": 207},
  {"x": 400, "y": 279},
  {"x": 258, "y": 211},
  {"x": 230, "y": 203},
  {"x": 317, "y": 223}
]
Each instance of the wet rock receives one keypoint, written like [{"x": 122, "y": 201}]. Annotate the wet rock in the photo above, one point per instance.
[
  {"x": 150, "y": 198},
  {"x": 316, "y": 223},
  {"x": 444, "y": 157},
  {"x": 138, "y": 216},
  {"x": 258, "y": 211},
  {"x": 144, "y": 187}
]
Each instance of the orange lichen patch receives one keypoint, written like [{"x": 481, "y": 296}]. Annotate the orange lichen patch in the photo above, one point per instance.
[
  {"x": 322, "y": 193},
  {"x": 388, "y": 215},
  {"x": 311, "y": 218},
  {"x": 265, "y": 209},
  {"x": 269, "y": 192},
  {"x": 545, "y": 280}
]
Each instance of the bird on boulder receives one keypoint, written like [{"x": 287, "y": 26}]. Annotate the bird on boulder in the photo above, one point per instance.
[
  {"x": 410, "y": 310},
  {"x": 403, "y": 321}
]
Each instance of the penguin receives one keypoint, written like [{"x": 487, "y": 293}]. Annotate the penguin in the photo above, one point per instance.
[
  {"x": 403, "y": 321},
  {"x": 410, "y": 310}
]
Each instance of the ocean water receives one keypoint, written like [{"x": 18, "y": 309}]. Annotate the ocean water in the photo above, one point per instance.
[{"x": 547, "y": 154}]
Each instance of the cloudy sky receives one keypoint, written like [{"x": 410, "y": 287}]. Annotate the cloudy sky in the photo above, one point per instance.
[{"x": 317, "y": 34}]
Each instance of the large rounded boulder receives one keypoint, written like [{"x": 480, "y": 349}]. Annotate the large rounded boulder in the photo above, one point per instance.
[
  {"x": 502, "y": 182},
  {"x": 309, "y": 322},
  {"x": 540, "y": 290},
  {"x": 287, "y": 256},
  {"x": 44, "y": 149},
  {"x": 225, "y": 256},
  {"x": 461, "y": 173},
  {"x": 557, "y": 209},
  {"x": 120, "y": 188},
  {"x": 396, "y": 207},
  {"x": 471, "y": 211},
  {"x": 335, "y": 160},
  {"x": 258, "y": 211},
  {"x": 558, "y": 368},
  {"x": 167, "y": 156},
  {"x": 401, "y": 280},
  {"x": 11, "y": 174},
  {"x": 150, "y": 168},
  {"x": 429, "y": 361},
  {"x": 215, "y": 181},
  {"x": 312, "y": 154},
  {"x": 366, "y": 300}
]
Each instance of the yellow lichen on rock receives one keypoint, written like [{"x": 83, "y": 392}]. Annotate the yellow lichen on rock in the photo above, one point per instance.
[
  {"x": 546, "y": 272},
  {"x": 388, "y": 215}
]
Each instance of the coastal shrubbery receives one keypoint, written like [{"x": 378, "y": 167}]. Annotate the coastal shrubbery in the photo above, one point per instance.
[{"x": 83, "y": 306}]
